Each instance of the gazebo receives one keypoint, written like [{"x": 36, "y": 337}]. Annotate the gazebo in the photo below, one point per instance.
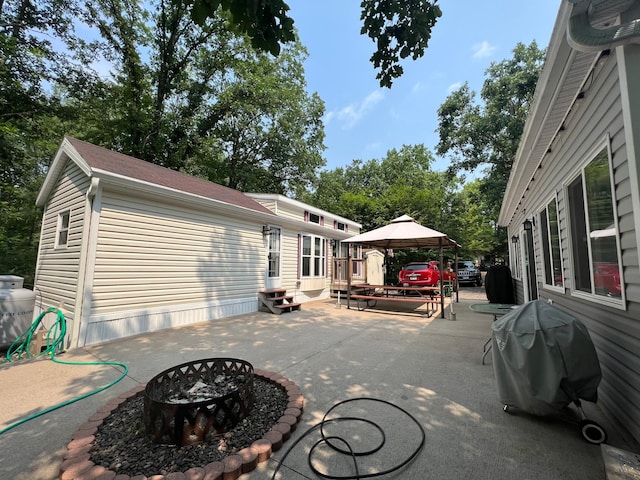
[{"x": 403, "y": 233}]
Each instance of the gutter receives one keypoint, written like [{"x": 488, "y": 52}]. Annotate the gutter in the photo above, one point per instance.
[{"x": 584, "y": 37}]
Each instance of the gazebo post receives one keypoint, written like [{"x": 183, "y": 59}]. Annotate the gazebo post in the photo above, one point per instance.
[
  {"x": 455, "y": 251},
  {"x": 441, "y": 279},
  {"x": 349, "y": 276}
]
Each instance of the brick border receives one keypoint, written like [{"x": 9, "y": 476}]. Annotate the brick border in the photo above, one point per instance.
[{"x": 77, "y": 464}]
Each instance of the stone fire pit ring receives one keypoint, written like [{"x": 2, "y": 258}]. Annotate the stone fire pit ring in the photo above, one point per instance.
[
  {"x": 77, "y": 463},
  {"x": 187, "y": 402}
]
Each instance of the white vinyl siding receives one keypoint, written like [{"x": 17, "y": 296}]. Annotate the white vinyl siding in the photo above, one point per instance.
[
  {"x": 57, "y": 269},
  {"x": 151, "y": 255}
]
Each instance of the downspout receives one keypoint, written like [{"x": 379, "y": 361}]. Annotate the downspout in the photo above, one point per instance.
[
  {"x": 628, "y": 60},
  {"x": 87, "y": 266},
  {"x": 584, "y": 37}
]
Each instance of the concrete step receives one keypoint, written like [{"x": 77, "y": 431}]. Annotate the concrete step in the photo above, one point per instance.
[{"x": 620, "y": 464}]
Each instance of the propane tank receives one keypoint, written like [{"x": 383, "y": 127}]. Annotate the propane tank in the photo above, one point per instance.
[{"x": 16, "y": 308}]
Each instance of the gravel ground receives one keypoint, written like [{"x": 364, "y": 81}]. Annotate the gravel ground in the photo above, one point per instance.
[{"x": 121, "y": 444}]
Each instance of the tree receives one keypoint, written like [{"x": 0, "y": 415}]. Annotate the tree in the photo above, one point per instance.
[
  {"x": 477, "y": 230},
  {"x": 376, "y": 191},
  {"x": 199, "y": 99},
  {"x": 268, "y": 127},
  {"x": 400, "y": 28},
  {"x": 38, "y": 48},
  {"x": 486, "y": 135}
]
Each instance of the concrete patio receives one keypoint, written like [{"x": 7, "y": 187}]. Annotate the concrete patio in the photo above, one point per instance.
[{"x": 429, "y": 366}]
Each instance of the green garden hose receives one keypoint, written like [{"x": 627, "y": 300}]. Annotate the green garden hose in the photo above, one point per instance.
[{"x": 21, "y": 348}]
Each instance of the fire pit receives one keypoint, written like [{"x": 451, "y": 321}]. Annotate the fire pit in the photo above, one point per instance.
[{"x": 185, "y": 403}]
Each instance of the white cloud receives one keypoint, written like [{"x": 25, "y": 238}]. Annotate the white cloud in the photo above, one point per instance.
[
  {"x": 454, "y": 86},
  {"x": 350, "y": 115},
  {"x": 483, "y": 50}
]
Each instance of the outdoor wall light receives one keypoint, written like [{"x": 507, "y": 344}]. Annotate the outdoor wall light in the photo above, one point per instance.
[
  {"x": 266, "y": 230},
  {"x": 514, "y": 239},
  {"x": 528, "y": 226}
]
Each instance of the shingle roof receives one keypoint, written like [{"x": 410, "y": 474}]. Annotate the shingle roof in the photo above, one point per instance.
[{"x": 99, "y": 158}]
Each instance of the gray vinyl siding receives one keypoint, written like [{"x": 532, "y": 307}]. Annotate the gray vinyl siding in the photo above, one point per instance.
[
  {"x": 57, "y": 269},
  {"x": 150, "y": 255},
  {"x": 615, "y": 331}
]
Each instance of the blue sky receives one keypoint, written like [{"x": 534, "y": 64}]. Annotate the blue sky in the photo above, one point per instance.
[{"x": 364, "y": 121}]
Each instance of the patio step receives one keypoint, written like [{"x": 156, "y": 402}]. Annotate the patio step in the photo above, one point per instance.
[{"x": 277, "y": 301}]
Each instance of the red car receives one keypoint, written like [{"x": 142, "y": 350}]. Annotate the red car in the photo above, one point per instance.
[
  {"x": 424, "y": 274},
  {"x": 606, "y": 277}
]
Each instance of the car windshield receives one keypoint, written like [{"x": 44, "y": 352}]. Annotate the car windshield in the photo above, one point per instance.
[
  {"x": 417, "y": 266},
  {"x": 462, "y": 265}
]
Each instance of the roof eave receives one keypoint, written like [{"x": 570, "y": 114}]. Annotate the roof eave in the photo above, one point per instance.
[{"x": 558, "y": 54}]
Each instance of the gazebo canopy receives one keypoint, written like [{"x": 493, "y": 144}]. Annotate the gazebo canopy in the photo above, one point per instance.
[{"x": 404, "y": 232}]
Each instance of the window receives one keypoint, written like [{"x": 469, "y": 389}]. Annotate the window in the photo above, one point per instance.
[
  {"x": 62, "y": 230},
  {"x": 550, "y": 233},
  {"x": 340, "y": 226},
  {"x": 274, "y": 252},
  {"x": 358, "y": 262},
  {"x": 342, "y": 250},
  {"x": 313, "y": 218},
  {"x": 313, "y": 256},
  {"x": 594, "y": 231}
]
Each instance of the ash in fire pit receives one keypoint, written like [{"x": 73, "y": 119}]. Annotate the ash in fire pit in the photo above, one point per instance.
[
  {"x": 184, "y": 404},
  {"x": 200, "y": 392}
]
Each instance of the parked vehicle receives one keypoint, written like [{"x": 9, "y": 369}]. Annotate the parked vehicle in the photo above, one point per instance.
[
  {"x": 469, "y": 273},
  {"x": 424, "y": 274},
  {"x": 606, "y": 277}
]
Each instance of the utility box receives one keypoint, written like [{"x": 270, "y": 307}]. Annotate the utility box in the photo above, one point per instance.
[{"x": 17, "y": 305}]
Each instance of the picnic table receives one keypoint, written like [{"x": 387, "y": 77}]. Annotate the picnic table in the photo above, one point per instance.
[{"x": 367, "y": 295}]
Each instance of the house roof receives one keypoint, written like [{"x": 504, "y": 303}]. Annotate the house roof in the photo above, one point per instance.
[
  {"x": 104, "y": 163},
  {"x": 567, "y": 68}
]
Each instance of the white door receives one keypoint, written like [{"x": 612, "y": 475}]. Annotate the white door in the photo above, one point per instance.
[{"x": 274, "y": 244}]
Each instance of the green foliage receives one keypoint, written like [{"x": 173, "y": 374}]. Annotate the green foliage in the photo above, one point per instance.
[
  {"x": 377, "y": 191},
  {"x": 202, "y": 101},
  {"x": 265, "y": 21},
  {"x": 477, "y": 227},
  {"x": 38, "y": 47},
  {"x": 400, "y": 29},
  {"x": 268, "y": 128},
  {"x": 485, "y": 136}
]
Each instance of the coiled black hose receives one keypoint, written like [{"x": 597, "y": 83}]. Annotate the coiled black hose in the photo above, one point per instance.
[{"x": 331, "y": 441}]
